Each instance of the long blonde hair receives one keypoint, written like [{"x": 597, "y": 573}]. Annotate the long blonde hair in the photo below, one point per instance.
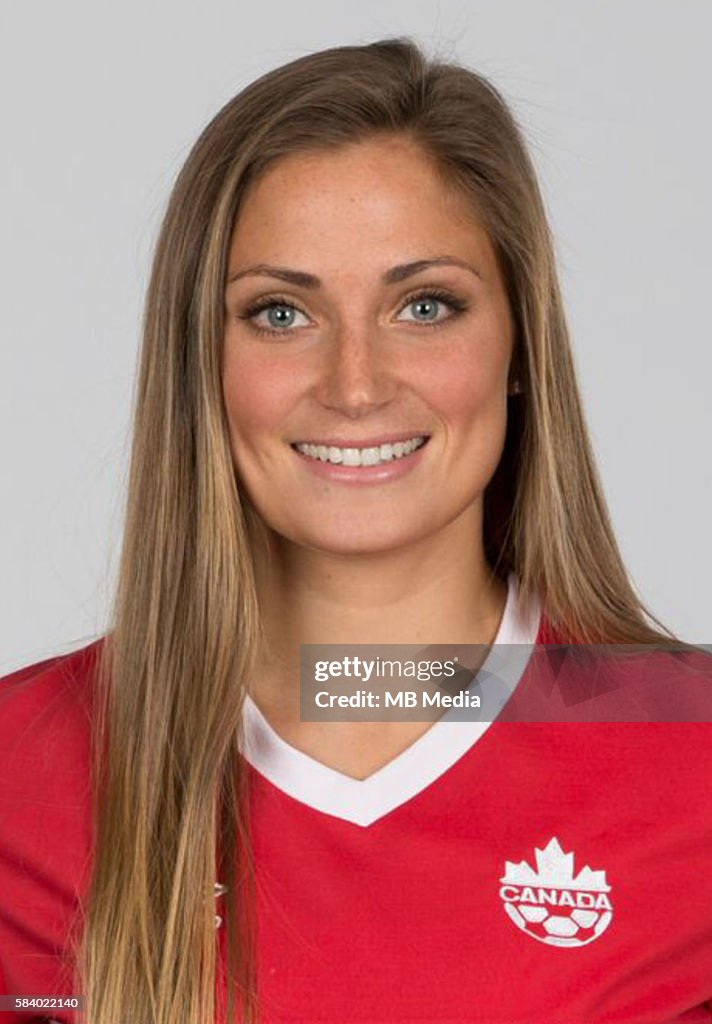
[{"x": 171, "y": 806}]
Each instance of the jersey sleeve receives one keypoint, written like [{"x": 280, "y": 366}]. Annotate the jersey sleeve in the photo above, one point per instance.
[{"x": 45, "y": 827}]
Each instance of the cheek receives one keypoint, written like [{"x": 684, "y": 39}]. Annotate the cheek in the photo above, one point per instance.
[
  {"x": 258, "y": 394},
  {"x": 467, "y": 381}
]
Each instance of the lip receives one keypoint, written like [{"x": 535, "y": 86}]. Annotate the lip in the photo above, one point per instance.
[
  {"x": 371, "y": 442},
  {"x": 387, "y": 472}
]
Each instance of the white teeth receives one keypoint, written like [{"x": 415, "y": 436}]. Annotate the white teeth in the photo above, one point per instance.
[{"x": 361, "y": 456}]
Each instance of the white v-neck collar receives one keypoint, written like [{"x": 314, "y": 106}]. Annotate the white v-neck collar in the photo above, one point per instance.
[{"x": 363, "y": 801}]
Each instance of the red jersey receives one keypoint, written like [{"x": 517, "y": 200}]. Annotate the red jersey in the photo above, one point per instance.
[{"x": 505, "y": 872}]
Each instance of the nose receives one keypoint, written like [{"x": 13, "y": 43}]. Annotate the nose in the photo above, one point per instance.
[{"x": 355, "y": 378}]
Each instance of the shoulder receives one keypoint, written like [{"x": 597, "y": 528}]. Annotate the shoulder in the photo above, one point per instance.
[
  {"x": 45, "y": 813},
  {"x": 45, "y": 714},
  {"x": 60, "y": 671},
  {"x": 662, "y": 682}
]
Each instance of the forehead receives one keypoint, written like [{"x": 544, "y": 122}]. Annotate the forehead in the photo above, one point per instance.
[{"x": 384, "y": 191}]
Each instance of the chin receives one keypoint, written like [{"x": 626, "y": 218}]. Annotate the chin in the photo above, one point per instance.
[{"x": 362, "y": 538}]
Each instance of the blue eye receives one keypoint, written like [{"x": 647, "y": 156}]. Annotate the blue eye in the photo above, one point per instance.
[
  {"x": 282, "y": 313},
  {"x": 430, "y": 300}
]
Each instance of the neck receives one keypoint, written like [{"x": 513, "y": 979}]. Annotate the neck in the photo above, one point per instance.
[{"x": 439, "y": 590}]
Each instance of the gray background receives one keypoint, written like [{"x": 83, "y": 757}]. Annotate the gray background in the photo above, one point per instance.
[{"x": 100, "y": 105}]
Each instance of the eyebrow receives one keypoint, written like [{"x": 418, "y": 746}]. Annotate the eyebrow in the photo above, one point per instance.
[{"x": 302, "y": 279}]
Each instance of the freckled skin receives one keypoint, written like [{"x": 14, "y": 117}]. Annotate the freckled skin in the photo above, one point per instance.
[{"x": 357, "y": 362}]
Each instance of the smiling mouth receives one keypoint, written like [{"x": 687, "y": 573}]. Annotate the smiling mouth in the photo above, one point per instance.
[{"x": 375, "y": 455}]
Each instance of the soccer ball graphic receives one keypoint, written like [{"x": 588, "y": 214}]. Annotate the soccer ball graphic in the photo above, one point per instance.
[{"x": 553, "y": 906}]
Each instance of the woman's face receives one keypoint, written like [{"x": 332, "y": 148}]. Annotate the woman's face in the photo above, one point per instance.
[{"x": 383, "y": 318}]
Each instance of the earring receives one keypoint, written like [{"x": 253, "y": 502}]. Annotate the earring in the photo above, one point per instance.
[{"x": 516, "y": 387}]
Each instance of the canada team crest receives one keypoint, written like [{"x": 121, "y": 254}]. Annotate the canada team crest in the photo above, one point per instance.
[{"x": 552, "y": 905}]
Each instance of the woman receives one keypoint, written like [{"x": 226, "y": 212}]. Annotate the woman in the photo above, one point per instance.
[{"x": 357, "y": 421}]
